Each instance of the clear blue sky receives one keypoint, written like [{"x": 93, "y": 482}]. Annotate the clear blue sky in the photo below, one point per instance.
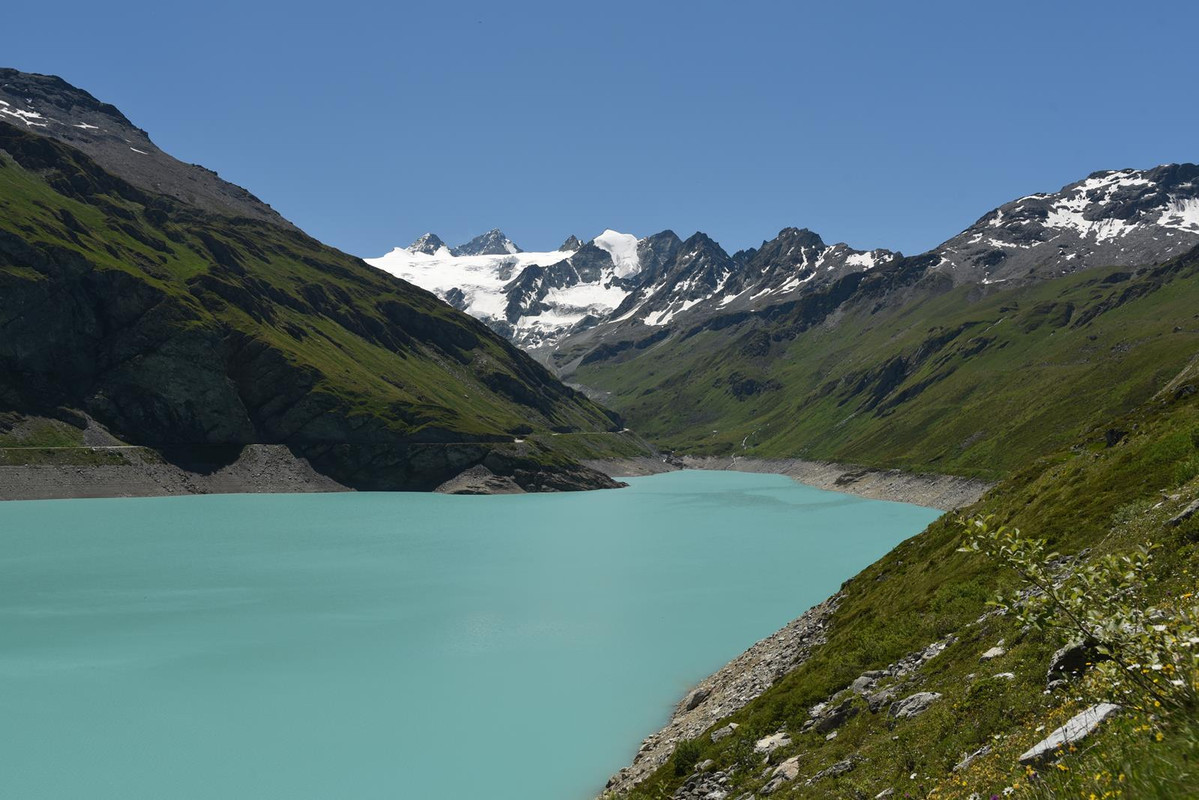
[{"x": 879, "y": 124}]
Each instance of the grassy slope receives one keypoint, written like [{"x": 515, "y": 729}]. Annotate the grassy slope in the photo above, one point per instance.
[
  {"x": 1108, "y": 499},
  {"x": 370, "y": 346},
  {"x": 972, "y": 381}
]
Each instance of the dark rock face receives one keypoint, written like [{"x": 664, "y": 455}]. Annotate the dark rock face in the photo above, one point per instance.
[
  {"x": 428, "y": 243},
  {"x": 492, "y": 243},
  {"x": 1073, "y": 660},
  {"x": 571, "y": 244},
  {"x": 49, "y": 106}
]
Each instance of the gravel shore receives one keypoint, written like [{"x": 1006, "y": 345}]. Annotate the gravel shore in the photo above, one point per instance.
[
  {"x": 945, "y": 492},
  {"x": 260, "y": 468}
]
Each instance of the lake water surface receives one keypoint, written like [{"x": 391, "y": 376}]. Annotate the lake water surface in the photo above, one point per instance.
[{"x": 392, "y": 645}]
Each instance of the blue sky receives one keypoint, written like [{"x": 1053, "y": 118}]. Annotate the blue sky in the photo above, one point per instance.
[{"x": 879, "y": 124}]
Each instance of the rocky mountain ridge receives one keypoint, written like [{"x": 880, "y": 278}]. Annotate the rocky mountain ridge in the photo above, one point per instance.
[
  {"x": 49, "y": 106},
  {"x": 537, "y": 298},
  {"x": 583, "y": 296}
]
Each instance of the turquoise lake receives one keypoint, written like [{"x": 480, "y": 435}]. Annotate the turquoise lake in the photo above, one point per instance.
[{"x": 393, "y": 645}]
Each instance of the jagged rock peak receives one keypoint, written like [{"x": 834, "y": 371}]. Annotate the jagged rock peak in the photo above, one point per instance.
[
  {"x": 428, "y": 244},
  {"x": 699, "y": 240},
  {"x": 492, "y": 243},
  {"x": 52, "y": 92},
  {"x": 802, "y": 236},
  {"x": 571, "y": 244}
]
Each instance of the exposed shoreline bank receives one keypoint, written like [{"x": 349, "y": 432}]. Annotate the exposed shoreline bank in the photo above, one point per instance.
[
  {"x": 262, "y": 468},
  {"x": 728, "y": 689},
  {"x": 944, "y": 492}
]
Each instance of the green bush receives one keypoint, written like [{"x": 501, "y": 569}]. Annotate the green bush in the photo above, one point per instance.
[{"x": 686, "y": 756}]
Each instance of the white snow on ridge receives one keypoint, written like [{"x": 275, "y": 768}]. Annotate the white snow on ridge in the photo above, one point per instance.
[
  {"x": 622, "y": 247},
  {"x": 1068, "y": 213},
  {"x": 864, "y": 260},
  {"x": 482, "y": 280}
]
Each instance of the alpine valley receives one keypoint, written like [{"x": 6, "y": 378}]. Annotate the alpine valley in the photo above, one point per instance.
[
  {"x": 800, "y": 349},
  {"x": 1050, "y": 348},
  {"x": 165, "y": 332}
]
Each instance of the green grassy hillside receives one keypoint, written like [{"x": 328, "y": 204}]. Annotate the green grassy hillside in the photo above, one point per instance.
[
  {"x": 1092, "y": 498},
  {"x": 175, "y": 327},
  {"x": 897, "y": 372}
]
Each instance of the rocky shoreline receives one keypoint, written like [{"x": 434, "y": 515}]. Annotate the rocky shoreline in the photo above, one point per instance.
[
  {"x": 944, "y": 492},
  {"x": 725, "y": 691},
  {"x": 765, "y": 663}
]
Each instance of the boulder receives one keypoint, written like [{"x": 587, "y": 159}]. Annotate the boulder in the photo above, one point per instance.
[
  {"x": 862, "y": 684},
  {"x": 969, "y": 759},
  {"x": 1184, "y": 515},
  {"x": 840, "y": 768},
  {"x": 993, "y": 653},
  {"x": 1076, "y": 728},
  {"x": 697, "y": 696},
  {"x": 879, "y": 699},
  {"x": 783, "y": 773},
  {"x": 1073, "y": 660},
  {"x": 825, "y": 718},
  {"x": 727, "y": 730},
  {"x": 768, "y": 744},
  {"x": 914, "y": 705}
]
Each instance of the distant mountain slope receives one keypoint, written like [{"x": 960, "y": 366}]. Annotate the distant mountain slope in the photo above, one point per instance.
[
  {"x": 902, "y": 369},
  {"x": 180, "y": 329},
  {"x": 1113, "y": 218},
  {"x": 49, "y": 106}
]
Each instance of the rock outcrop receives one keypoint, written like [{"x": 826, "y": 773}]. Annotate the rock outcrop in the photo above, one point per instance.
[{"x": 1075, "y": 730}]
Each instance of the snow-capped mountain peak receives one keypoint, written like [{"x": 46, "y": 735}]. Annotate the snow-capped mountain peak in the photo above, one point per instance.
[
  {"x": 537, "y": 298},
  {"x": 616, "y": 283},
  {"x": 1125, "y": 216}
]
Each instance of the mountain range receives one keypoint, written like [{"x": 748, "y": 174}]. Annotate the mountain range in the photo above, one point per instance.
[{"x": 616, "y": 283}]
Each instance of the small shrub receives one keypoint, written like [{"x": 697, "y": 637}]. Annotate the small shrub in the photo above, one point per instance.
[
  {"x": 686, "y": 756},
  {"x": 1186, "y": 470}
]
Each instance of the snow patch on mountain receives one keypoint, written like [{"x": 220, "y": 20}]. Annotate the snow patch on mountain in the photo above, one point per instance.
[
  {"x": 1182, "y": 214},
  {"x": 1111, "y": 218},
  {"x": 531, "y": 297},
  {"x": 481, "y": 279},
  {"x": 622, "y": 247}
]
